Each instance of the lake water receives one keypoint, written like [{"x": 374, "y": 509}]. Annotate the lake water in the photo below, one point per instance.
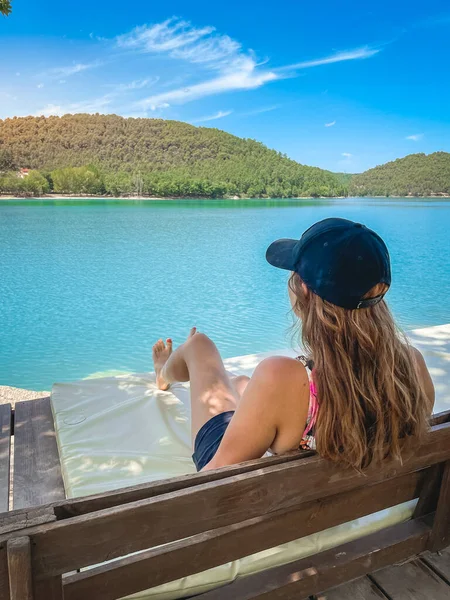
[{"x": 88, "y": 286}]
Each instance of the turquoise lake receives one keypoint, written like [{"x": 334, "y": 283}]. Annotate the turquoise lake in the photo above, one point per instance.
[{"x": 88, "y": 286}]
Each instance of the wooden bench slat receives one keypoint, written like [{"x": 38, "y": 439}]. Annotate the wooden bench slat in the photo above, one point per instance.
[
  {"x": 439, "y": 562},
  {"x": 78, "y": 506},
  {"x": 37, "y": 471},
  {"x": 179, "y": 559},
  {"x": 19, "y": 568},
  {"x": 136, "y": 526},
  {"x": 397, "y": 581},
  {"x": 73, "y": 507},
  {"x": 328, "y": 569},
  {"x": 440, "y": 536},
  {"x": 4, "y": 583},
  {"x": 5, "y": 452},
  {"x": 361, "y": 589}
]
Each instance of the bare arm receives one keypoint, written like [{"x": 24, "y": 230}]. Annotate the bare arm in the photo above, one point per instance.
[
  {"x": 271, "y": 414},
  {"x": 425, "y": 378}
]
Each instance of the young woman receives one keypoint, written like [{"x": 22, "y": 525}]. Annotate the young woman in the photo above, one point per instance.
[{"x": 367, "y": 394}]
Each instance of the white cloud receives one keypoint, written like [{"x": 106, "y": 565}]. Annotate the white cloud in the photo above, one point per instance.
[
  {"x": 88, "y": 106},
  {"x": 179, "y": 39},
  {"x": 357, "y": 54},
  {"x": 330, "y": 124},
  {"x": 415, "y": 138},
  {"x": 347, "y": 154},
  {"x": 237, "y": 68},
  {"x": 72, "y": 69},
  {"x": 137, "y": 84},
  {"x": 244, "y": 79},
  {"x": 40, "y": 85},
  {"x": 259, "y": 111},
  {"x": 219, "y": 115}
]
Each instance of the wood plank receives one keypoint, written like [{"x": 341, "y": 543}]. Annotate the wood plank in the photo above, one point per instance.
[
  {"x": 79, "y": 506},
  {"x": 361, "y": 589},
  {"x": 37, "y": 471},
  {"x": 5, "y": 451},
  {"x": 49, "y": 589},
  {"x": 198, "y": 553},
  {"x": 440, "y": 535},
  {"x": 328, "y": 569},
  {"x": 440, "y": 418},
  {"x": 15, "y": 520},
  {"x": 410, "y": 581},
  {"x": 429, "y": 492},
  {"x": 136, "y": 526},
  {"x": 4, "y": 583},
  {"x": 439, "y": 562},
  {"x": 19, "y": 568}
]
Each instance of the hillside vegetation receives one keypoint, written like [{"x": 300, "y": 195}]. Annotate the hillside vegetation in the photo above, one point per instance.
[
  {"x": 100, "y": 154},
  {"x": 107, "y": 154},
  {"x": 415, "y": 175}
]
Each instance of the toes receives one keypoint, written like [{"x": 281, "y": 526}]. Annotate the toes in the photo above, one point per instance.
[
  {"x": 169, "y": 343},
  {"x": 193, "y": 331}
]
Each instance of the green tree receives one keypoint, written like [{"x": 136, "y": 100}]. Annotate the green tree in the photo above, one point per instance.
[
  {"x": 6, "y": 160},
  {"x": 35, "y": 184},
  {"x": 5, "y": 7}
]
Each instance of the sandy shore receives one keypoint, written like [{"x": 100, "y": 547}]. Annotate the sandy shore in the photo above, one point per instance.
[{"x": 12, "y": 395}]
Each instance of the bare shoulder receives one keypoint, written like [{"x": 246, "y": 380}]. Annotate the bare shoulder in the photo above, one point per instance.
[
  {"x": 424, "y": 376},
  {"x": 280, "y": 370},
  {"x": 420, "y": 361}
]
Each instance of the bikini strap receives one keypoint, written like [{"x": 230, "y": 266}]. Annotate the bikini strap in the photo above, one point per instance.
[{"x": 308, "y": 363}]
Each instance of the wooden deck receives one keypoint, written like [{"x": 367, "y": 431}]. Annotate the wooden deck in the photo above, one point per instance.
[
  {"x": 36, "y": 479},
  {"x": 424, "y": 578}
]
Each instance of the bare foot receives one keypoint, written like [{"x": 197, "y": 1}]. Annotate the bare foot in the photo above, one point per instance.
[{"x": 161, "y": 353}]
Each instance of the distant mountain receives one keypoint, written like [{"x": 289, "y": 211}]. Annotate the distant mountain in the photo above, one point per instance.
[
  {"x": 117, "y": 155},
  {"x": 108, "y": 154},
  {"x": 415, "y": 175}
]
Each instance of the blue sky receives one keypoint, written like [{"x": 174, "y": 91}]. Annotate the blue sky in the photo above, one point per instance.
[{"x": 340, "y": 85}]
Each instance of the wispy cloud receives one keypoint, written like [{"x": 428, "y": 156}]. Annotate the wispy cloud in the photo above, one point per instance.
[
  {"x": 330, "y": 124},
  {"x": 236, "y": 68},
  {"x": 415, "y": 138},
  {"x": 71, "y": 69},
  {"x": 347, "y": 155},
  {"x": 357, "y": 54},
  {"x": 137, "y": 84},
  {"x": 88, "y": 106},
  {"x": 259, "y": 111},
  {"x": 40, "y": 85},
  {"x": 219, "y": 115}
]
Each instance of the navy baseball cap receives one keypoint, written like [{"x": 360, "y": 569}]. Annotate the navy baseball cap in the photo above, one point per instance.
[{"x": 338, "y": 260}]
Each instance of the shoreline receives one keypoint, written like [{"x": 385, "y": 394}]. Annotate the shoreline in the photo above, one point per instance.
[
  {"x": 171, "y": 198},
  {"x": 10, "y": 394}
]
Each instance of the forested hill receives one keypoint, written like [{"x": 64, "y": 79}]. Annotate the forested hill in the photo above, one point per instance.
[
  {"x": 416, "y": 175},
  {"x": 111, "y": 154}
]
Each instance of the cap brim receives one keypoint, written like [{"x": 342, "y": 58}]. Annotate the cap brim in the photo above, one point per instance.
[{"x": 281, "y": 254}]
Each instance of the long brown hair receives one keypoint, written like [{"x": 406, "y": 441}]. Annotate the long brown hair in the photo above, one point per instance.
[{"x": 372, "y": 405}]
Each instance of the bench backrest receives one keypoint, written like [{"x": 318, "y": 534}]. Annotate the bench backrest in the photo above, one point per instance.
[{"x": 189, "y": 524}]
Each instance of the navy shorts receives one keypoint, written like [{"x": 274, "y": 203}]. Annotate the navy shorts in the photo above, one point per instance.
[{"x": 208, "y": 439}]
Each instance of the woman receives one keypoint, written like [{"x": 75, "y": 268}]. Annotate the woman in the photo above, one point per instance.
[{"x": 369, "y": 394}]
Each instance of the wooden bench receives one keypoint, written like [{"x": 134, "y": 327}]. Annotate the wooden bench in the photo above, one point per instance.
[{"x": 189, "y": 524}]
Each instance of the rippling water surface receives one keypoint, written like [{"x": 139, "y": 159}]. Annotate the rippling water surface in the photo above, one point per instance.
[{"x": 88, "y": 286}]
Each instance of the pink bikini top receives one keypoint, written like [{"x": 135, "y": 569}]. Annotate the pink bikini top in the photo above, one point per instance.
[{"x": 308, "y": 439}]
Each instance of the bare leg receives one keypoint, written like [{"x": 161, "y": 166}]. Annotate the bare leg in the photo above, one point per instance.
[
  {"x": 197, "y": 361},
  {"x": 240, "y": 383}
]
